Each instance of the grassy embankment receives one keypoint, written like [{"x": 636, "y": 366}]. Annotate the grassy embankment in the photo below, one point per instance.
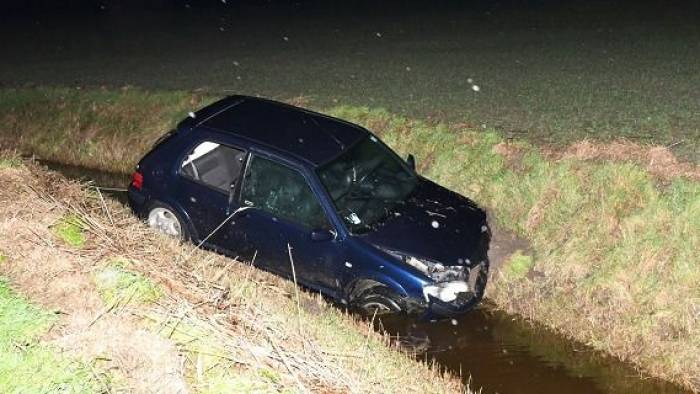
[
  {"x": 616, "y": 247},
  {"x": 26, "y": 364},
  {"x": 137, "y": 312},
  {"x": 615, "y": 227}
]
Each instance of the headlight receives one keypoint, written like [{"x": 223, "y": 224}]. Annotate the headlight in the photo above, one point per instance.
[{"x": 446, "y": 291}]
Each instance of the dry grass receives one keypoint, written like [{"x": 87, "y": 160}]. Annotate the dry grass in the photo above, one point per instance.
[
  {"x": 220, "y": 326},
  {"x": 110, "y": 129},
  {"x": 658, "y": 160}
]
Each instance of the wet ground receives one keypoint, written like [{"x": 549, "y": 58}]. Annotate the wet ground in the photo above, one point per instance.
[{"x": 496, "y": 352}]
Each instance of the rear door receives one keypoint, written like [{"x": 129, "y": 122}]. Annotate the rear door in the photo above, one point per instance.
[
  {"x": 208, "y": 175},
  {"x": 283, "y": 212}
]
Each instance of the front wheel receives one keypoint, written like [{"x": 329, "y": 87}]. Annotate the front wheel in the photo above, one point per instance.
[
  {"x": 163, "y": 218},
  {"x": 377, "y": 301}
]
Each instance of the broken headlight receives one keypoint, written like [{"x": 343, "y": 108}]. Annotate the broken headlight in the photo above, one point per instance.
[
  {"x": 434, "y": 270},
  {"x": 445, "y": 291}
]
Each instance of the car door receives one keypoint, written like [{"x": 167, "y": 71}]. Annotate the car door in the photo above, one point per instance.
[
  {"x": 208, "y": 175},
  {"x": 284, "y": 214}
]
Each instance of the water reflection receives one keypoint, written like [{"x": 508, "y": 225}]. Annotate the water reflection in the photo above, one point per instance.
[
  {"x": 503, "y": 354},
  {"x": 111, "y": 184}
]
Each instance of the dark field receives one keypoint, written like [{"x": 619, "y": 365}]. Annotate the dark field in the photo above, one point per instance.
[{"x": 551, "y": 73}]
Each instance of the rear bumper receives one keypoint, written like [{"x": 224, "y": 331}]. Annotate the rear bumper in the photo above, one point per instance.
[{"x": 136, "y": 199}]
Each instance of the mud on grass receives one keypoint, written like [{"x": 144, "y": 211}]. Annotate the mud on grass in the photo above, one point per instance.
[{"x": 219, "y": 326}]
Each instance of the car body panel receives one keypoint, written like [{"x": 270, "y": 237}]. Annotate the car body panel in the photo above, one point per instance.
[
  {"x": 444, "y": 226},
  {"x": 307, "y": 135}
]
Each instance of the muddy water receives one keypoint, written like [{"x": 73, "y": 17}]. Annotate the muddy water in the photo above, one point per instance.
[
  {"x": 497, "y": 352},
  {"x": 503, "y": 354},
  {"x": 110, "y": 183}
]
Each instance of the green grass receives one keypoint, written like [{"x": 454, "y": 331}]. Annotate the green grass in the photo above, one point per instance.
[
  {"x": 27, "y": 365},
  {"x": 10, "y": 163},
  {"x": 518, "y": 266},
  {"x": 119, "y": 285},
  {"x": 209, "y": 368},
  {"x": 71, "y": 230}
]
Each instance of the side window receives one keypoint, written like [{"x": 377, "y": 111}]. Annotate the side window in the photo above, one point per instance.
[
  {"x": 214, "y": 165},
  {"x": 283, "y": 192}
]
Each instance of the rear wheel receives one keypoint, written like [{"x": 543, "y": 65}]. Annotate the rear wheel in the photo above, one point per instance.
[{"x": 163, "y": 218}]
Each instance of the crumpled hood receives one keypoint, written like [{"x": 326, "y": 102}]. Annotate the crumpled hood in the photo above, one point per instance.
[{"x": 433, "y": 223}]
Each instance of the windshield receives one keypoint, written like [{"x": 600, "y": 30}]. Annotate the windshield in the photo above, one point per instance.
[{"x": 366, "y": 182}]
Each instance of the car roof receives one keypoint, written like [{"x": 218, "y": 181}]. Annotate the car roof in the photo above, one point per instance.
[{"x": 310, "y": 136}]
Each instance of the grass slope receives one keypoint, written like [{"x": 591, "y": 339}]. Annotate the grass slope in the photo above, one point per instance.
[
  {"x": 616, "y": 249},
  {"x": 616, "y": 241},
  {"x": 101, "y": 128},
  {"x": 26, "y": 364}
]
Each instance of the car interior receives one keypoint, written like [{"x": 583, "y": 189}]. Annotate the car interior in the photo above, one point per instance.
[
  {"x": 214, "y": 165},
  {"x": 282, "y": 191}
]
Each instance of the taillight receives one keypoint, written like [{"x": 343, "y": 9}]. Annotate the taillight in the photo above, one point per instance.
[{"x": 137, "y": 180}]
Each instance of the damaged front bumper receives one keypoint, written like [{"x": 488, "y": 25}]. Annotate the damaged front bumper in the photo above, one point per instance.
[
  {"x": 438, "y": 309},
  {"x": 454, "y": 298}
]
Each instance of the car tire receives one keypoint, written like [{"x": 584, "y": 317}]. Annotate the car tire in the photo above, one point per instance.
[
  {"x": 377, "y": 301},
  {"x": 164, "y": 219}
]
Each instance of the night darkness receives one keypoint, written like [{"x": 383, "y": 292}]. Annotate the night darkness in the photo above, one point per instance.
[{"x": 555, "y": 69}]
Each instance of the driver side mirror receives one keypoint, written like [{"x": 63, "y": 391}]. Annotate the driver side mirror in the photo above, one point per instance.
[
  {"x": 322, "y": 235},
  {"x": 411, "y": 161}
]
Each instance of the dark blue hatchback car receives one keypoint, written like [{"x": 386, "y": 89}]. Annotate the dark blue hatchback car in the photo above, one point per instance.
[{"x": 298, "y": 192}]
